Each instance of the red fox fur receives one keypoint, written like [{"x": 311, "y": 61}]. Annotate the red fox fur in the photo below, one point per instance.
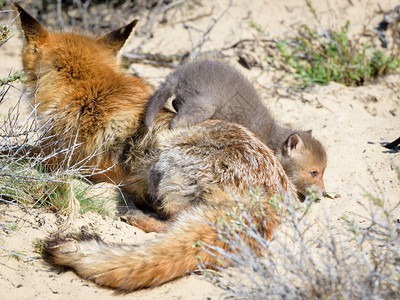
[{"x": 189, "y": 176}]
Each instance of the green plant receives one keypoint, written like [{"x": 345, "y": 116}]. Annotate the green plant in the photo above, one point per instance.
[
  {"x": 319, "y": 59},
  {"x": 88, "y": 202},
  {"x": 255, "y": 25},
  {"x": 21, "y": 182},
  {"x": 17, "y": 255},
  {"x": 4, "y": 32},
  {"x": 14, "y": 227},
  {"x": 18, "y": 76},
  {"x": 39, "y": 246},
  {"x": 26, "y": 185}
]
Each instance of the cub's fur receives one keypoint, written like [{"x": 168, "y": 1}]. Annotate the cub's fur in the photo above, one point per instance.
[
  {"x": 189, "y": 176},
  {"x": 212, "y": 89}
]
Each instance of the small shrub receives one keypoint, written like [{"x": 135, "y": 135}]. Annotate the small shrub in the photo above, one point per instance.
[
  {"x": 39, "y": 246},
  {"x": 88, "y": 202},
  {"x": 18, "y": 76},
  {"x": 4, "y": 32},
  {"x": 354, "y": 259},
  {"x": 27, "y": 185},
  {"x": 253, "y": 24},
  {"x": 319, "y": 59}
]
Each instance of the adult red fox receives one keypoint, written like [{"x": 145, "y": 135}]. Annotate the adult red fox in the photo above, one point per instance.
[{"x": 190, "y": 176}]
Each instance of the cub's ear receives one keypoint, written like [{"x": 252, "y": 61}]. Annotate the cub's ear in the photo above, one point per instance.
[
  {"x": 294, "y": 145},
  {"x": 309, "y": 131},
  {"x": 117, "y": 38},
  {"x": 32, "y": 29}
]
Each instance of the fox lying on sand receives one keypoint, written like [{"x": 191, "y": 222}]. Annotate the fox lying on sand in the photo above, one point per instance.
[
  {"x": 189, "y": 176},
  {"x": 212, "y": 89}
]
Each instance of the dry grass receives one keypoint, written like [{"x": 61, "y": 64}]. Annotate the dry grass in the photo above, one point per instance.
[{"x": 358, "y": 258}]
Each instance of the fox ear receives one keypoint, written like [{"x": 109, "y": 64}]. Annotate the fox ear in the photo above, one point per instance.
[
  {"x": 309, "y": 131},
  {"x": 32, "y": 29},
  {"x": 117, "y": 38},
  {"x": 294, "y": 145}
]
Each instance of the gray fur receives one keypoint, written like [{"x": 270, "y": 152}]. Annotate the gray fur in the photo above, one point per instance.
[{"x": 212, "y": 89}]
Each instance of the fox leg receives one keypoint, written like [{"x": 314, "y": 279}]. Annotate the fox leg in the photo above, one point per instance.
[
  {"x": 145, "y": 222},
  {"x": 190, "y": 112}
]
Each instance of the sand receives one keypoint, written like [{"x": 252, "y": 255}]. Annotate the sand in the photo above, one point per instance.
[{"x": 351, "y": 122}]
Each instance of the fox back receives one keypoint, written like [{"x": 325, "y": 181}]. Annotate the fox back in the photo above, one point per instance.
[{"x": 208, "y": 89}]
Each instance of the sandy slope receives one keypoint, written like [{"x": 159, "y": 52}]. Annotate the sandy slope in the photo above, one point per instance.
[{"x": 351, "y": 122}]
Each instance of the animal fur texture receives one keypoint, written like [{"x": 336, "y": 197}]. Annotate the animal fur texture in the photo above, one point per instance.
[
  {"x": 190, "y": 177},
  {"x": 212, "y": 89}
]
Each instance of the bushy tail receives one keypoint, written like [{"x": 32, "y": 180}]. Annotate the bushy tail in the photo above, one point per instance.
[
  {"x": 171, "y": 255},
  {"x": 157, "y": 101}
]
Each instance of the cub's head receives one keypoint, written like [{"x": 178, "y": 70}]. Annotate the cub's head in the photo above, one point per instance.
[
  {"x": 304, "y": 160},
  {"x": 67, "y": 55}
]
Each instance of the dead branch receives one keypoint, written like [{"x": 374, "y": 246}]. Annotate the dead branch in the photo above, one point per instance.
[
  {"x": 235, "y": 45},
  {"x": 160, "y": 60},
  {"x": 152, "y": 17},
  {"x": 195, "y": 52},
  {"x": 165, "y": 61},
  {"x": 172, "y": 61},
  {"x": 195, "y": 18}
]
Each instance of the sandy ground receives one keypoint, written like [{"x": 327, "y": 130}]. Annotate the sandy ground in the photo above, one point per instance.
[{"x": 351, "y": 122}]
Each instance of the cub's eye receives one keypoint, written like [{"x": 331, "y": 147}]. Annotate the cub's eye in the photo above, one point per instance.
[{"x": 314, "y": 174}]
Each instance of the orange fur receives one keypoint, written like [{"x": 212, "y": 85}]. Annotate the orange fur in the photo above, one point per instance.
[
  {"x": 191, "y": 177},
  {"x": 304, "y": 160},
  {"x": 70, "y": 93}
]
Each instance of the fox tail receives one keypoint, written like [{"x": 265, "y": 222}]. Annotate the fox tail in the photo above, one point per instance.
[{"x": 171, "y": 255}]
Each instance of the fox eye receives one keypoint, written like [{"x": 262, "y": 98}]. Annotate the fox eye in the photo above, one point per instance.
[{"x": 314, "y": 173}]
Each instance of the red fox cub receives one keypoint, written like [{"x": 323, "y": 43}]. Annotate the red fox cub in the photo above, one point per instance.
[
  {"x": 189, "y": 176},
  {"x": 212, "y": 89}
]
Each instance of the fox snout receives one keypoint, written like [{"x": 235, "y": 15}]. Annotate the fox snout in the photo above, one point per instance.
[
  {"x": 321, "y": 192},
  {"x": 319, "y": 184},
  {"x": 321, "y": 188},
  {"x": 306, "y": 181}
]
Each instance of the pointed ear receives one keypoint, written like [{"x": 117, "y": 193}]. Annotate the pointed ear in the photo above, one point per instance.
[
  {"x": 117, "y": 38},
  {"x": 294, "y": 145},
  {"x": 32, "y": 29},
  {"x": 309, "y": 131}
]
